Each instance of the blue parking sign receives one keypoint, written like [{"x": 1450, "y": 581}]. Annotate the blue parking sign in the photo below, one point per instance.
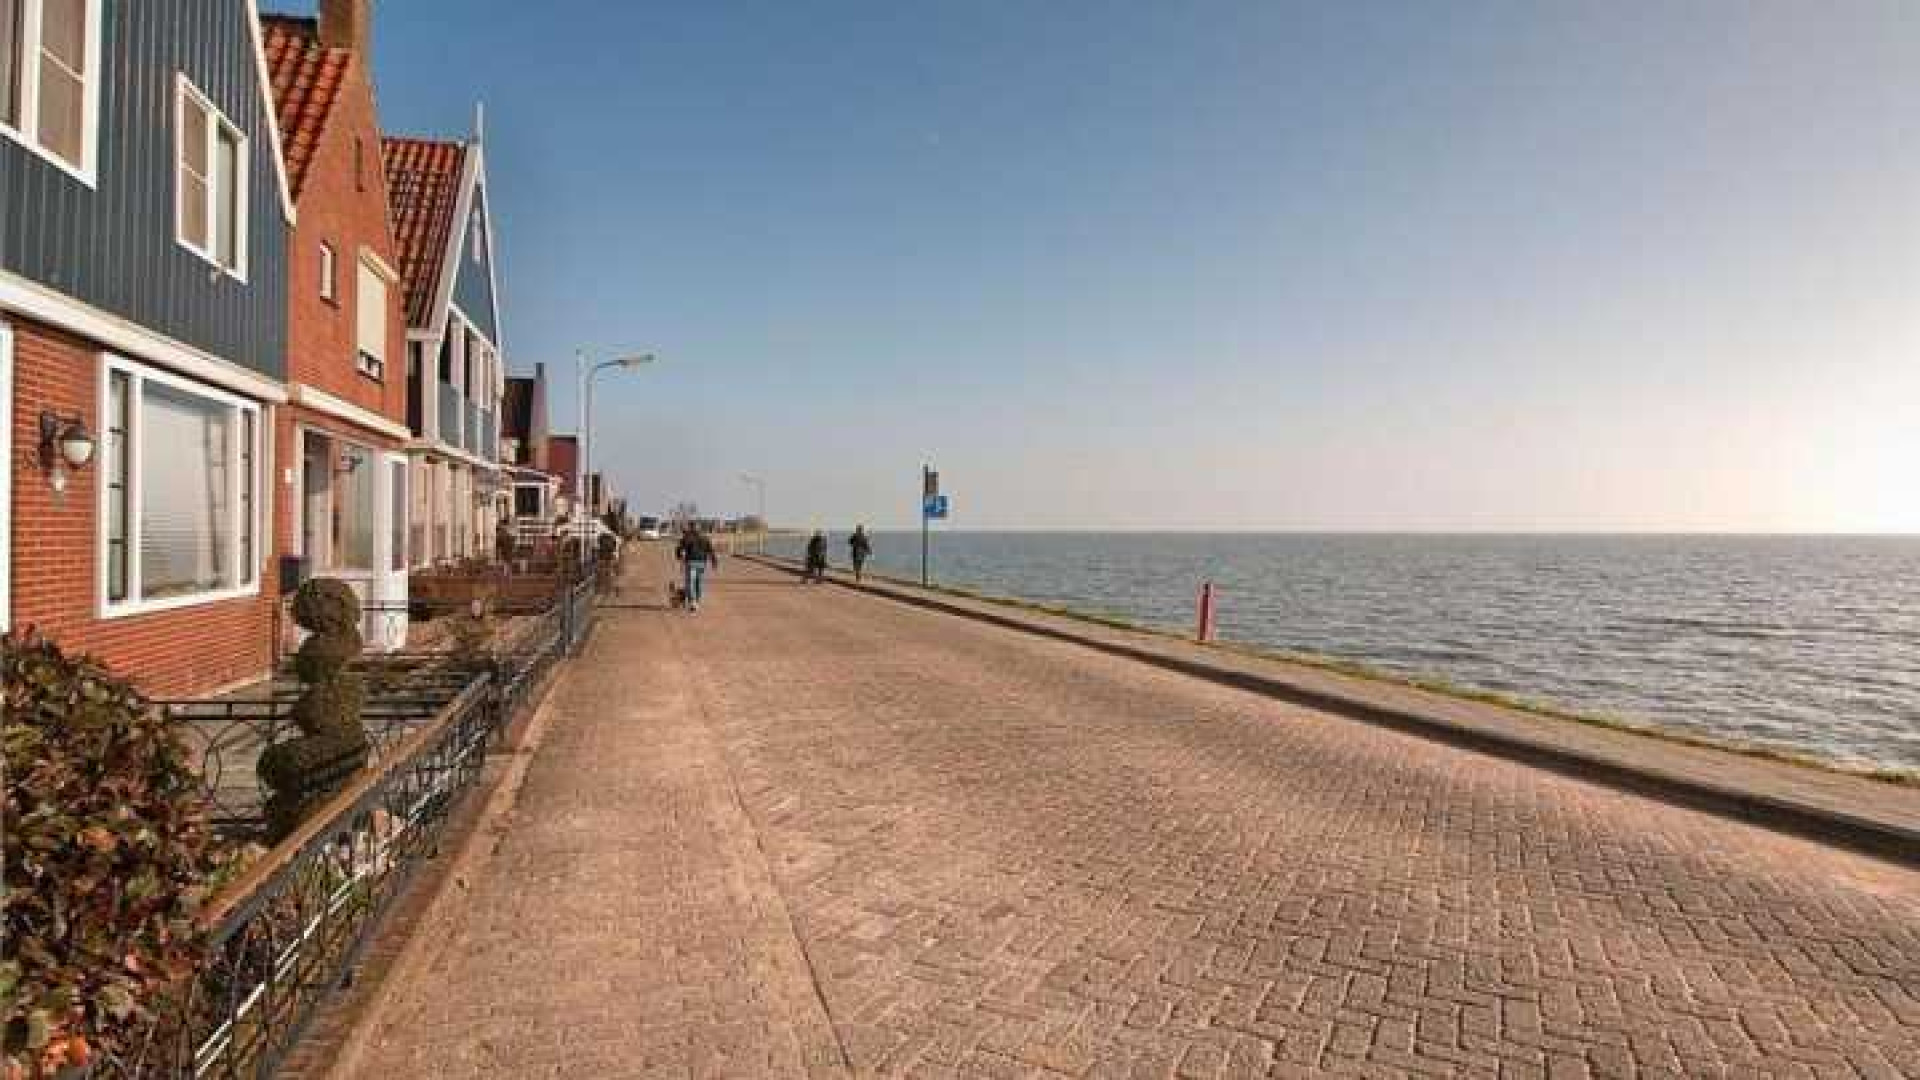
[{"x": 934, "y": 508}]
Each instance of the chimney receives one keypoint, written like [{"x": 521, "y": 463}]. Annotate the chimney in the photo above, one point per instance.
[{"x": 347, "y": 24}]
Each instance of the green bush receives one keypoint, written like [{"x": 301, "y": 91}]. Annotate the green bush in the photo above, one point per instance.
[
  {"x": 301, "y": 774},
  {"x": 108, "y": 856}
]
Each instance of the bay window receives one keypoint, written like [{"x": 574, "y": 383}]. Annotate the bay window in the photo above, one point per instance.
[
  {"x": 210, "y": 182},
  {"x": 337, "y": 507},
  {"x": 49, "y": 79},
  {"x": 179, "y": 491}
]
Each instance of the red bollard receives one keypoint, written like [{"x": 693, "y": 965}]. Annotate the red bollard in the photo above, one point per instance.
[{"x": 1205, "y": 632}]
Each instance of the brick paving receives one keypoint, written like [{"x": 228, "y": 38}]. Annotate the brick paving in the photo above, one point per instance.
[{"x": 808, "y": 823}]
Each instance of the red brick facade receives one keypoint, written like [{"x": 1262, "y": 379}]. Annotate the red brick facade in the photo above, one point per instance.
[
  {"x": 342, "y": 202},
  {"x": 56, "y": 550},
  {"x": 329, "y": 125}
]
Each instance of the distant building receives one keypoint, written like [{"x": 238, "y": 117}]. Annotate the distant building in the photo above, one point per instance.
[
  {"x": 145, "y": 218},
  {"x": 524, "y": 450}
]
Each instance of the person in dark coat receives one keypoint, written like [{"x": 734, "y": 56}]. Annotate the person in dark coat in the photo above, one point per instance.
[
  {"x": 860, "y": 545},
  {"x": 696, "y": 555},
  {"x": 816, "y": 558}
]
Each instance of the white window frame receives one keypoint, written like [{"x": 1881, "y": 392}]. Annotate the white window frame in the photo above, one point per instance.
[
  {"x": 6, "y": 476},
  {"x": 184, "y": 92},
  {"x": 27, "y": 133},
  {"x": 329, "y": 273},
  {"x": 134, "y": 604}
]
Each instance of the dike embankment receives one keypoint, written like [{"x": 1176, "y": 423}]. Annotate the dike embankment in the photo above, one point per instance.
[{"x": 1862, "y": 813}]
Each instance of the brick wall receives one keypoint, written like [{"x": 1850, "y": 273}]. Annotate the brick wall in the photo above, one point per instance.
[
  {"x": 181, "y": 652},
  {"x": 346, "y": 209}
]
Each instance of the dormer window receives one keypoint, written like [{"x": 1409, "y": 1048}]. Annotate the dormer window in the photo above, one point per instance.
[
  {"x": 211, "y": 188},
  {"x": 49, "y": 79}
]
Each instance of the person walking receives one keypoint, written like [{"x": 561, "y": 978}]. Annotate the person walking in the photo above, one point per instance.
[
  {"x": 861, "y": 547},
  {"x": 816, "y": 558},
  {"x": 696, "y": 554}
]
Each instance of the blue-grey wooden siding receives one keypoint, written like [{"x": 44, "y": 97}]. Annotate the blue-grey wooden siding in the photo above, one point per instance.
[
  {"x": 473, "y": 286},
  {"x": 113, "y": 245}
]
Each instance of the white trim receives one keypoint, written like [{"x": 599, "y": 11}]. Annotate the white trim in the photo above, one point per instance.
[
  {"x": 250, "y": 570},
  {"x": 27, "y": 133},
  {"x": 453, "y": 453},
  {"x": 37, "y": 301},
  {"x": 217, "y": 121},
  {"x": 320, "y": 401},
  {"x": 6, "y": 476},
  {"x": 380, "y": 266},
  {"x": 268, "y": 119},
  {"x": 450, "y": 256}
]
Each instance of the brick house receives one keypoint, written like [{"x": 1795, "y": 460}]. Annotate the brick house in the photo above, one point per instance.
[
  {"x": 456, "y": 374},
  {"x": 144, "y": 221},
  {"x": 341, "y": 439},
  {"x": 524, "y": 441}
]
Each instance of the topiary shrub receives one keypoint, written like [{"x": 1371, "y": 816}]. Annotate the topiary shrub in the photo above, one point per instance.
[
  {"x": 302, "y": 773},
  {"x": 108, "y": 856}
]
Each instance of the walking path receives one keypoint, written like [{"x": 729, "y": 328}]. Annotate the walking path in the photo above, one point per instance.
[{"x": 814, "y": 833}]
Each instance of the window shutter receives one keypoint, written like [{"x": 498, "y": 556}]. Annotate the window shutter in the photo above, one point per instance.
[{"x": 371, "y": 316}]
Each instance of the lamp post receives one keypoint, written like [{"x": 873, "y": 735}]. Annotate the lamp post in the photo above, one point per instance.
[
  {"x": 760, "y": 486},
  {"x": 582, "y": 468}
]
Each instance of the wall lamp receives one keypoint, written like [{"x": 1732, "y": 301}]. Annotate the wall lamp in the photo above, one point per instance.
[{"x": 65, "y": 443}]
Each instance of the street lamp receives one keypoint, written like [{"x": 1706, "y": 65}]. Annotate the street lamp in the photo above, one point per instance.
[
  {"x": 760, "y": 485},
  {"x": 582, "y": 497}
]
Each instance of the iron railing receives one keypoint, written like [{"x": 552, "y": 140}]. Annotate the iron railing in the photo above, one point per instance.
[{"x": 288, "y": 933}]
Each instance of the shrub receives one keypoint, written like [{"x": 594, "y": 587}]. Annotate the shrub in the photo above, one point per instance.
[
  {"x": 302, "y": 773},
  {"x": 108, "y": 856}
]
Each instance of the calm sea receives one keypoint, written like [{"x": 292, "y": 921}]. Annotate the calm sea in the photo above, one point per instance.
[{"x": 1809, "y": 644}]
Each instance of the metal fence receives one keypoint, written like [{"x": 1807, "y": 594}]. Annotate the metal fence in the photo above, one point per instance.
[{"x": 287, "y": 934}]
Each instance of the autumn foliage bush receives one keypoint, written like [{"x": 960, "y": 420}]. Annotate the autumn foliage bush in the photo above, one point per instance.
[{"x": 108, "y": 856}]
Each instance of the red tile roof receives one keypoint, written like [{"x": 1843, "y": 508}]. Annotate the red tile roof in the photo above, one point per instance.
[
  {"x": 306, "y": 79},
  {"x": 423, "y": 188}
]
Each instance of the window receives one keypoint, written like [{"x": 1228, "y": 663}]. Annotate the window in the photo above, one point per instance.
[
  {"x": 370, "y": 315},
  {"x": 397, "y": 507},
  {"x": 479, "y": 238},
  {"x": 418, "y": 488},
  {"x": 329, "y": 274},
  {"x": 353, "y": 509},
  {"x": 338, "y": 508},
  {"x": 49, "y": 85},
  {"x": 212, "y": 188},
  {"x": 526, "y": 501},
  {"x": 180, "y": 491}
]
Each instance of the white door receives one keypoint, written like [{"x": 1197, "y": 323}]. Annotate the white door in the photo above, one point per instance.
[{"x": 386, "y": 629}]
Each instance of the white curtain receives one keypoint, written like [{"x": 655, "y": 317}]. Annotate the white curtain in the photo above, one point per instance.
[{"x": 186, "y": 476}]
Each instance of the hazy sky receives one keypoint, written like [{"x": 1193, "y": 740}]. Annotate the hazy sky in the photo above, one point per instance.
[{"x": 1233, "y": 265}]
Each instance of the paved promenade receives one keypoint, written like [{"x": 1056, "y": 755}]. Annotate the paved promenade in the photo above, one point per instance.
[{"x": 814, "y": 833}]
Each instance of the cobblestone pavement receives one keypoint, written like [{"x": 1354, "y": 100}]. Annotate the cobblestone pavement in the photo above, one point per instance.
[{"x": 993, "y": 855}]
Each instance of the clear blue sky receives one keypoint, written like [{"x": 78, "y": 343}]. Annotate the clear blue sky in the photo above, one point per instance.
[{"x": 1483, "y": 265}]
